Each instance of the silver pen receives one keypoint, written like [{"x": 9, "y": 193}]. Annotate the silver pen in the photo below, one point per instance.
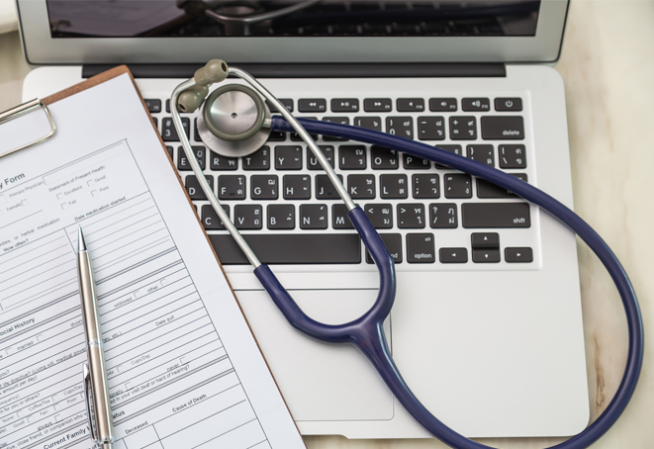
[{"x": 96, "y": 390}]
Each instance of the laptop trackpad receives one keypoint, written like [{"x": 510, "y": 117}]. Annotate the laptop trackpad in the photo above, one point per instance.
[{"x": 320, "y": 381}]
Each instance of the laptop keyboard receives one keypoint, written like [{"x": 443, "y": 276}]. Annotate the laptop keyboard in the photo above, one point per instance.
[{"x": 427, "y": 214}]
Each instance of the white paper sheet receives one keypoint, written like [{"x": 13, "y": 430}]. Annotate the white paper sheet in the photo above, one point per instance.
[{"x": 184, "y": 370}]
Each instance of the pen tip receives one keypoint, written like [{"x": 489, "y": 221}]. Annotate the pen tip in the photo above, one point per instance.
[{"x": 81, "y": 244}]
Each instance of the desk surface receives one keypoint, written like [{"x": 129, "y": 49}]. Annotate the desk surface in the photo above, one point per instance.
[{"x": 607, "y": 65}]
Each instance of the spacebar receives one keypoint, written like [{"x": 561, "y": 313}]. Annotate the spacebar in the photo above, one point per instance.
[{"x": 291, "y": 248}]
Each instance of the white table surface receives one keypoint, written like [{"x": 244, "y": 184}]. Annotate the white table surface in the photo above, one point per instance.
[{"x": 607, "y": 65}]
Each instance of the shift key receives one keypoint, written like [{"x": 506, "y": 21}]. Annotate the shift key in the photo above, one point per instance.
[{"x": 495, "y": 215}]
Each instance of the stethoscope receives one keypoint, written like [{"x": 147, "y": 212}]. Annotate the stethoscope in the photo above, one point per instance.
[{"x": 236, "y": 122}]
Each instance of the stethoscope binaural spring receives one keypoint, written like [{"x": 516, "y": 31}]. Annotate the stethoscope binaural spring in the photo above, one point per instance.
[{"x": 243, "y": 123}]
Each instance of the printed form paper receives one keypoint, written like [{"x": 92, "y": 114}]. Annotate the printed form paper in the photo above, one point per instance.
[{"x": 184, "y": 370}]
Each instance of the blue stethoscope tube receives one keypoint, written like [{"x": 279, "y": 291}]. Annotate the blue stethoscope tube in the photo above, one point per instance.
[{"x": 367, "y": 332}]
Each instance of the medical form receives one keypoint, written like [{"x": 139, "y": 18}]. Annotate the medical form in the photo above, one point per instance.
[{"x": 183, "y": 367}]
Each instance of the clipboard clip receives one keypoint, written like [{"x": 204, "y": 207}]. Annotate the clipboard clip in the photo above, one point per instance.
[
  {"x": 23, "y": 109},
  {"x": 88, "y": 398}
]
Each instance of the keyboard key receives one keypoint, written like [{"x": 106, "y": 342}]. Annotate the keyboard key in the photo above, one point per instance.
[
  {"x": 339, "y": 120},
  {"x": 383, "y": 158},
  {"x": 426, "y": 186},
  {"x": 485, "y": 255},
  {"x": 325, "y": 190},
  {"x": 482, "y": 153},
  {"x": 183, "y": 163},
  {"x": 210, "y": 219},
  {"x": 231, "y": 187},
  {"x": 168, "y": 131},
  {"x": 288, "y": 157},
  {"x": 170, "y": 151},
  {"x": 316, "y": 248},
  {"x": 456, "y": 149},
  {"x": 361, "y": 186},
  {"x": 217, "y": 162},
  {"x": 512, "y": 156},
  {"x": 518, "y": 255},
  {"x": 508, "y": 104},
  {"x": 352, "y": 157},
  {"x": 416, "y": 163},
  {"x": 443, "y": 215},
  {"x": 196, "y": 135},
  {"x": 287, "y": 102},
  {"x": 487, "y": 190},
  {"x": 452, "y": 255},
  {"x": 193, "y": 188},
  {"x": 377, "y": 105},
  {"x": 400, "y": 126},
  {"x": 297, "y": 187},
  {"x": 475, "y": 104},
  {"x": 313, "y": 163},
  {"x": 458, "y": 186},
  {"x": 502, "y": 128},
  {"x": 258, "y": 161},
  {"x": 345, "y": 105},
  {"x": 340, "y": 220},
  {"x": 153, "y": 105},
  {"x": 463, "y": 127},
  {"x": 313, "y": 216},
  {"x": 312, "y": 105},
  {"x": 373, "y": 123},
  {"x": 484, "y": 240},
  {"x": 410, "y": 104},
  {"x": 393, "y": 186},
  {"x": 431, "y": 128},
  {"x": 393, "y": 243},
  {"x": 380, "y": 215},
  {"x": 420, "y": 248},
  {"x": 264, "y": 187},
  {"x": 442, "y": 104},
  {"x": 410, "y": 216},
  {"x": 276, "y": 136},
  {"x": 156, "y": 122},
  {"x": 495, "y": 215},
  {"x": 248, "y": 216},
  {"x": 281, "y": 216}
]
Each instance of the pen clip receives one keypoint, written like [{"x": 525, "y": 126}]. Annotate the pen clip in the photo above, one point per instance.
[{"x": 88, "y": 388}]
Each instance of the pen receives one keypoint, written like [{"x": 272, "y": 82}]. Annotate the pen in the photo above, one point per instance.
[{"x": 94, "y": 370}]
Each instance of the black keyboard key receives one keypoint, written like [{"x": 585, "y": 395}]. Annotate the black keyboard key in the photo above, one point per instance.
[
  {"x": 485, "y": 255},
  {"x": 518, "y": 255},
  {"x": 431, "y": 128},
  {"x": 156, "y": 122},
  {"x": 512, "y": 156},
  {"x": 377, "y": 105},
  {"x": 410, "y": 105},
  {"x": 380, "y": 215},
  {"x": 277, "y": 136},
  {"x": 210, "y": 219},
  {"x": 463, "y": 127},
  {"x": 153, "y": 105},
  {"x": 183, "y": 163},
  {"x": 169, "y": 149},
  {"x": 458, "y": 186},
  {"x": 482, "y": 153},
  {"x": 340, "y": 220},
  {"x": 281, "y": 216},
  {"x": 288, "y": 157},
  {"x": 312, "y": 105},
  {"x": 475, "y": 104},
  {"x": 443, "y": 215},
  {"x": 264, "y": 187},
  {"x": 361, "y": 187},
  {"x": 400, "y": 126},
  {"x": 352, "y": 157},
  {"x": 217, "y": 162},
  {"x": 508, "y": 104},
  {"x": 287, "y": 102},
  {"x": 393, "y": 186},
  {"x": 373, "y": 123},
  {"x": 426, "y": 186},
  {"x": 325, "y": 190},
  {"x": 317, "y": 248},
  {"x": 453, "y": 255},
  {"x": 416, "y": 163},
  {"x": 339, "y": 120},
  {"x": 442, "y": 104},
  {"x": 248, "y": 216},
  {"x": 168, "y": 105},
  {"x": 484, "y": 240},
  {"x": 258, "y": 161},
  {"x": 297, "y": 187},
  {"x": 495, "y": 215},
  {"x": 312, "y": 161},
  {"x": 168, "y": 131},
  {"x": 456, "y": 149},
  {"x": 420, "y": 248},
  {"x": 487, "y": 190},
  {"x": 193, "y": 188},
  {"x": 345, "y": 105},
  {"x": 393, "y": 243},
  {"x": 231, "y": 187},
  {"x": 196, "y": 134},
  {"x": 410, "y": 216},
  {"x": 313, "y": 216},
  {"x": 502, "y": 127},
  {"x": 383, "y": 158}
]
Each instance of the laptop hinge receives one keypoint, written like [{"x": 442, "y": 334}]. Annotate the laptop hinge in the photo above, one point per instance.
[{"x": 332, "y": 70}]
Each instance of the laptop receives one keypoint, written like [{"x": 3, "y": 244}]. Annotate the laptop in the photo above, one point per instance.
[{"x": 487, "y": 324}]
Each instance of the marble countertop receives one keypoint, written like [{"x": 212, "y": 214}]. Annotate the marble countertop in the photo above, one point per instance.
[{"x": 607, "y": 64}]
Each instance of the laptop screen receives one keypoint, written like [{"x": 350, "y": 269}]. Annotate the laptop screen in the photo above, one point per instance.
[{"x": 291, "y": 18}]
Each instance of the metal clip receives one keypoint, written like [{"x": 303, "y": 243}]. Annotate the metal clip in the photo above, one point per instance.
[
  {"x": 23, "y": 109},
  {"x": 87, "y": 399}
]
